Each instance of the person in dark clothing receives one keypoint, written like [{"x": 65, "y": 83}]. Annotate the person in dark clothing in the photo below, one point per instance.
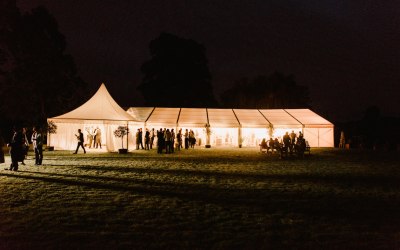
[
  {"x": 186, "y": 139},
  {"x": 16, "y": 150},
  {"x": 25, "y": 145},
  {"x": 79, "y": 136},
  {"x": 141, "y": 138},
  {"x": 2, "y": 159},
  {"x": 286, "y": 144},
  {"x": 37, "y": 145},
  {"x": 152, "y": 136},
  {"x": 147, "y": 140},
  {"x": 271, "y": 144},
  {"x": 160, "y": 141},
  {"x": 179, "y": 138},
  {"x": 137, "y": 139}
]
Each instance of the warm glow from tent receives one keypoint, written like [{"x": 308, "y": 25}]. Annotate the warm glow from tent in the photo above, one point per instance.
[
  {"x": 253, "y": 136},
  {"x": 280, "y": 132},
  {"x": 224, "y": 136},
  {"x": 228, "y": 127}
]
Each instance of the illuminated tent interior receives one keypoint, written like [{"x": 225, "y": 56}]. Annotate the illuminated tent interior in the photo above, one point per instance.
[
  {"x": 216, "y": 127},
  {"x": 100, "y": 111},
  {"x": 231, "y": 127}
]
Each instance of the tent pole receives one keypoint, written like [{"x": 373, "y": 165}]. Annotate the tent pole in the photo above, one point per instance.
[
  {"x": 240, "y": 137},
  {"x": 127, "y": 136}
]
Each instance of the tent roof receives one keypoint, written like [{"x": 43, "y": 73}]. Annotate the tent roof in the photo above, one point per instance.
[
  {"x": 193, "y": 117},
  {"x": 100, "y": 107},
  {"x": 280, "y": 118},
  {"x": 308, "y": 117},
  {"x": 250, "y": 118},
  {"x": 140, "y": 114},
  {"x": 222, "y": 118},
  {"x": 164, "y": 117}
]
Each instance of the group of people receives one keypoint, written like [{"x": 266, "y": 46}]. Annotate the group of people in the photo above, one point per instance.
[
  {"x": 290, "y": 143},
  {"x": 148, "y": 139},
  {"x": 19, "y": 146},
  {"x": 93, "y": 137},
  {"x": 167, "y": 139}
]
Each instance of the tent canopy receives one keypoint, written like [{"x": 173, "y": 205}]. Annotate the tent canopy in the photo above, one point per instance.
[
  {"x": 229, "y": 126},
  {"x": 228, "y": 118},
  {"x": 100, "y": 107}
]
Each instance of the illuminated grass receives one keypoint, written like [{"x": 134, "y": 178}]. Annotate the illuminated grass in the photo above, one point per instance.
[{"x": 202, "y": 198}]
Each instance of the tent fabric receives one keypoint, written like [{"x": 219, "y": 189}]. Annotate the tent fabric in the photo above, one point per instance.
[
  {"x": 279, "y": 118},
  {"x": 192, "y": 117},
  {"x": 222, "y": 118},
  {"x": 99, "y": 112},
  {"x": 198, "y": 117},
  {"x": 252, "y": 123},
  {"x": 308, "y": 117},
  {"x": 229, "y": 127},
  {"x": 100, "y": 107},
  {"x": 251, "y": 118},
  {"x": 164, "y": 117},
  {"x": 140, "y": 114}
]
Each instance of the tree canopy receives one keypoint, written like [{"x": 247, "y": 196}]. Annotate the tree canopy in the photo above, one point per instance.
[
  {"x": 274, "y": 91},
  {"x": 37, "y": 78},
  {"x": 177, "y": 74}
]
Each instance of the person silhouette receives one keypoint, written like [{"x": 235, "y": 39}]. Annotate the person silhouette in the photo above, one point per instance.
[{"x": 79, "y": 136}]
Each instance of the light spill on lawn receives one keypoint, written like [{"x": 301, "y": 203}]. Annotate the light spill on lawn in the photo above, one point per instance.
[{"x": 221, "y": 198}]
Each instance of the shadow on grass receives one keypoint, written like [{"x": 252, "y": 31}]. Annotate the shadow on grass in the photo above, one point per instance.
[
  {"x": 352, "y": 206},
  {"x": 317, "y": 178}
]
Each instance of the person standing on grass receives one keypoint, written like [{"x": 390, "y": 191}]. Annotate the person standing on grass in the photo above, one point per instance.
[
  {"x": 186, "y": 139},
  {"x": 167, "y": 138},
  {"x": 160, "y": 141},
  {"x": 172, "y": 141},
  {"x": 152, "y": 135},
  {"x": 147, "y": 140},
  {"x": 89, "y": 137},
  {"x": 293, "y": 138},
  {"x": 25, "y": 145},
  {"x": 192, "y": 139},
  {"x": 16, "y": 150},
  {"x": 97, "y": 141},
  {"x": 141, "y": 138},
  {"x": 286, "y": 143},
  {"x": 137, "y": 139},
  {"x": 179, "y": 138},
  {"x": 2, "y": 159},
  {"x": 79, "y": 136},
  {"x": 37, "y": 145}
]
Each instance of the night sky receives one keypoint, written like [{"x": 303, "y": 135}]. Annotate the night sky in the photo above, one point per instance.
[{"x": 346, "y": 52}]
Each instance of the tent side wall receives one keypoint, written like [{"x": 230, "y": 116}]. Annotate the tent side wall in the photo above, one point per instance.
[
  {"x": 65, "y": 139},
  {"x": 319, "y": 136}
]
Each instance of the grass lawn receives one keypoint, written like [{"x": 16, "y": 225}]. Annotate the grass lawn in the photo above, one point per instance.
[{"x": 202, "y": 199}]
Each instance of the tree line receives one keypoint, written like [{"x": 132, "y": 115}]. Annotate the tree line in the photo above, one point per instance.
[{"x": 38, "y": 79}]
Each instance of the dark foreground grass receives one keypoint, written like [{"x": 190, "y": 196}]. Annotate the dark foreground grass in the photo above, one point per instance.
[{"x": 202, "y": 199}]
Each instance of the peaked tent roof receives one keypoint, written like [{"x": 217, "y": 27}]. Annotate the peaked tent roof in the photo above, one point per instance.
[{"x": 100, "y": 107}]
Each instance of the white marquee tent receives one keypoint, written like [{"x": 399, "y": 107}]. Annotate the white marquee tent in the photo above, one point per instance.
[
  {"x": 229, "y": 127},
  {"x": 100, "y": 111}
]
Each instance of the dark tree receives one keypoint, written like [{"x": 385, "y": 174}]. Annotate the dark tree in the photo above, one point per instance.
[
  {"x": 177, "y": 74},
  {"x": 37, "y": 78},
  {"x": 371, "y": 127},
  {"x": 274, "y": 91}
]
